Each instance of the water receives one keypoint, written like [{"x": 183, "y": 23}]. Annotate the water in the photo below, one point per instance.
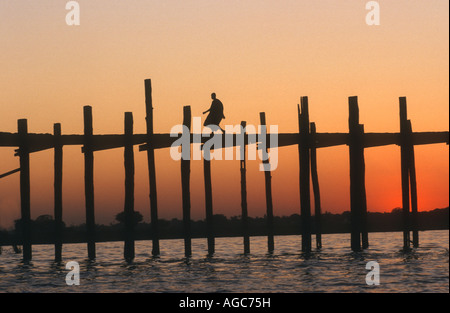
[{"x": 332, "y": 269}]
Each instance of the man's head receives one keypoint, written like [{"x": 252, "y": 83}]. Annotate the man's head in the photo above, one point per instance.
[{"x": 213, "y": 96}]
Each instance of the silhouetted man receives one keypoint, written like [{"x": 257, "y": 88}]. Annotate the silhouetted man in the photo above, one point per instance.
[{"x": 215, "y": 114}]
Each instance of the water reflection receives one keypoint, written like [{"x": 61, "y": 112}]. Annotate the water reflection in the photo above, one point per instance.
[{"x": 334, "y": 268}]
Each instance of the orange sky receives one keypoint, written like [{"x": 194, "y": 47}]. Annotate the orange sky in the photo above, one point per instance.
[{"x": 257, "y": 56}]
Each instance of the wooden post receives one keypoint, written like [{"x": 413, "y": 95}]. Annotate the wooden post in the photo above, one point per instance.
[
  {"x": 268, "y": 184},
  {"x": 316, "y": 190},
  {"x": 404, "y": 172},
  {"x": 129, "y": 188},
  {"x": 58, "y": 168},
  {"x": 305, "y": 198},
  {"x": 356, "y": 197},
  {"x": 24, "y": 157},
  {"x": 413, "y": 186},
  {"x": 362, "y": 164},
  {"x": 151, "y": 168},
  {"x": 185, "y": 185},
  {"x": 89, "y": 181},
  {"x": 208, "y": 202},
  {"x": 243, "y": 166}
]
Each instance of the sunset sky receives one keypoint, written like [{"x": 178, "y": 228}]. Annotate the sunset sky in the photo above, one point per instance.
[{"x": 258, "y": 56}]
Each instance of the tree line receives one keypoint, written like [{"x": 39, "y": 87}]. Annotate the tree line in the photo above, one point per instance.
[{"x": 43, "y": 226}]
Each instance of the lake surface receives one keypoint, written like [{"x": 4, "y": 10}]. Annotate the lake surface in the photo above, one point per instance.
[{"x": 334, "y": 268}]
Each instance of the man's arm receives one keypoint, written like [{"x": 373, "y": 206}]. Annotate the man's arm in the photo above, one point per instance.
[{"x": 208, "y": 109}]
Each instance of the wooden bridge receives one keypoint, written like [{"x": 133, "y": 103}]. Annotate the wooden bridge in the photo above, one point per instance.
[{"x": 307, "y": 140}]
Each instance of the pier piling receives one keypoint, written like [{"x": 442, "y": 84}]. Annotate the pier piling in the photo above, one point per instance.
[
  {"x": 304, "y": 161},
  {"x": 58, "y": 176},
  {"x": 268, "y": 185},
  {"x": 24, "y": 159},
  {"x": 185, "y": 185},
  {"x": 129, "y": 250},
  {"x": 88, "y": 150}
]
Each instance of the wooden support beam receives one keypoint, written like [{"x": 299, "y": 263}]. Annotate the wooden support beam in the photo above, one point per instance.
[
  {"x": 130, "y": 222},
  {"x": 185, "y": 185},
  {"x": 304, "y": 160},
  {"x": 243, "y": 167},
  {"x": 24, "y": 156},
  {"x": 40, "y": 142},
  {"x": 151, "y": 168},
  {"x": 316, "y": 189},
  {"x": 57, "y": 188},
  {"x": 10, "y": 172},
  {"x": 89, "y": 182},
  {"x": 404, "y": 156},
  {"x": 268, "y": 184}
]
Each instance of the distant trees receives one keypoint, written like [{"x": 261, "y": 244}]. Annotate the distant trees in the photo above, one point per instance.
[
  {"x": 43, "y": 223},
  {"x": 43, "y": 227},
  {"x": 136, "y": 217}
]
